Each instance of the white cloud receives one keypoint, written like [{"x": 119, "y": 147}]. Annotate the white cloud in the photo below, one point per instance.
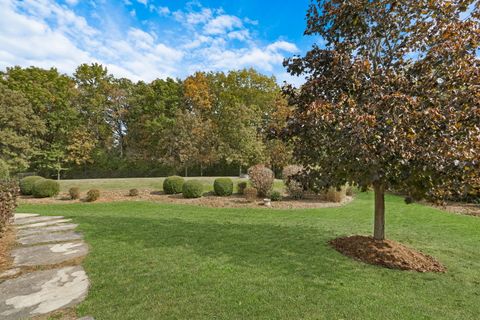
[
  {"x": 46, "y": 34},
  {"x": 163, "y": 11},
  {"x": 72, "y": 2},
  {"x": 222, "y": 24},
  {"x": 144, "y": 2}
]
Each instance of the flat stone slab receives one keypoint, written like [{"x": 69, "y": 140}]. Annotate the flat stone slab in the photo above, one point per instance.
[
  {"x": 48, "y": 254},
  {"x": 49, "y": 237},
  {"x": 25, "y": 215},
  {"x": 54, "y": 228},
  {"x": 42, "y": 292},
  {"x": 44, "y": 224},
  {"x": 23, "y": 221}
]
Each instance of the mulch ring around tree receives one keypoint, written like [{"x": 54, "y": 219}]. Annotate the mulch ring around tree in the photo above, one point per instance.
[{"x": 387, "y": 253}]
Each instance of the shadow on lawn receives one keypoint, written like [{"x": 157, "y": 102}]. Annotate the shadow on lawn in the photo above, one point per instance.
[{"x": 285, "y": 249}]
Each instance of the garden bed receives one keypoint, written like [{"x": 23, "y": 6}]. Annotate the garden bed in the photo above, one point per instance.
[{"x": 208, "y": 200}]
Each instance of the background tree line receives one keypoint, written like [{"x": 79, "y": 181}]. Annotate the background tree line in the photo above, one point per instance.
[{"x": 93, "y": 124}]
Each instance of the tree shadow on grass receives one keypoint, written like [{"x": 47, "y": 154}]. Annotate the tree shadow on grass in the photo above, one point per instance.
[{"x": 283, "y": 249}]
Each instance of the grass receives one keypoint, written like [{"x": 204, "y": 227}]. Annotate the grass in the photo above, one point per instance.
[
  {"x": 140, "y": 183},
  {"x": 160, "y": 261}
]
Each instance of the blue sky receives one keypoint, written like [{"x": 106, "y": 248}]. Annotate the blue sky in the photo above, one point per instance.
[{"x": 148, "y": 39}]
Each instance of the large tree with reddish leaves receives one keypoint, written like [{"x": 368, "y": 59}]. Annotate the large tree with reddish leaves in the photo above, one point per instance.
[{"x": 392, "y": 98}]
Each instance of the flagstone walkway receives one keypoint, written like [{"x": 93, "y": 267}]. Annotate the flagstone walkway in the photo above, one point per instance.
[{"x": 46, "y": 275}]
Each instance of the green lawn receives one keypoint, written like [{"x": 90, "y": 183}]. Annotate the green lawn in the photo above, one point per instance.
[
  {"x": 139, "y": 183},
  {"x": 159, "y": 261}
]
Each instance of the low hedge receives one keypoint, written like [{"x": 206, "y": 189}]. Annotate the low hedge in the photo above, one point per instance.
[
  {"x": 26, "y": 184},
  {"x": 223, "y": 187},
  {"x": 45, "y": 188},
  {"x": 173, "y": 185},
  {"x": 192, "y": 189}
]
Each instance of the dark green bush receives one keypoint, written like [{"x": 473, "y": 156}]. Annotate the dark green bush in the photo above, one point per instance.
[
  {"x": 241, "y": 186},
  {"x": 4, "y": 171},
  {"x": 26, "y": 184},
  {"x": 45, "y": 188},
  {"x": 92, "y": 195},
  {"x": 133, "y": 193},
  {"x": 275, "y": 196},
  {"x": 173, "y": 185},
  {"x": 223, "y": 187},
  {"x": 192, "y": 189},
  {"x": 74, "y": 193}
]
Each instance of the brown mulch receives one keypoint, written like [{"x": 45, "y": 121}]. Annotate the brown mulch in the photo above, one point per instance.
[
  {"x": 7, "y": 241},
  {"x": 208, "y": 200},
  {"x": 387, "y": 253}
]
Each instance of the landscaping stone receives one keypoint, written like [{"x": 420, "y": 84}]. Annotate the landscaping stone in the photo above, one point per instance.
[
  {"x": 42, "y": 292},
  {"x": 10, "y": 273},
  {"x": 48, "y": 254},
  {"x": 54, "y": 228},
  {"x": 86, "y": 318},
  {"x": 25, "y": 215},
  {"x": 43, "y": 224},
  {"x": 31, "y": 220},
  {"x": 46, "y": 237}
]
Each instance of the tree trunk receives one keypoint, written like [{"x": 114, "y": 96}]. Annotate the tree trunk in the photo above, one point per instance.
[
  {"x": 201, "y": 170},
  {"x": 186, "y": 171},
  {"x": 58, "y": 175},
  {"x": 379, "y": 224},
  {"x": 240, "y": 171}
]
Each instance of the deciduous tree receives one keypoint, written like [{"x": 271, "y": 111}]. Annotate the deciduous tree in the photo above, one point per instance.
[{"x": 392, "y": 100}]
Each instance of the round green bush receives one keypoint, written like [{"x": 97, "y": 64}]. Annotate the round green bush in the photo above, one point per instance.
[
  {"x": 173, "y": 185},
  {"x": 26, "y": 184},
  {"x": 93, "y": 195},
  {"x": 45, "y": 188},
  {"x": 4, "y": 171},
  {"x": 192, "y": 189},
  {"x": 133, "y": 193},
  {"x": 223, "y": 187}
]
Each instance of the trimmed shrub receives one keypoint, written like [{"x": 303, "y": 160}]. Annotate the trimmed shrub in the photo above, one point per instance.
[
  {"x": 261, "y": 178},
  {"x": 74, "y": 193},
  {"x": 92, "y": 195},
  {"x": 4, "y": 171},
  {"x": 45, "y": 188},
  {"x": 26, "y": 184},
  {"x": 173, "y": 185},
  {"x": 133, "y": 193},
  {"x": 241, "y": 186},
  {"x": 250, "y": 194},
  {"x": 295, "y": 190},
  {"x": 192, "y": 189},
  {"x": 275, "y": 196},
  {"x": 223, "y": 187},
  {"x": 8, "y": 202}
]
